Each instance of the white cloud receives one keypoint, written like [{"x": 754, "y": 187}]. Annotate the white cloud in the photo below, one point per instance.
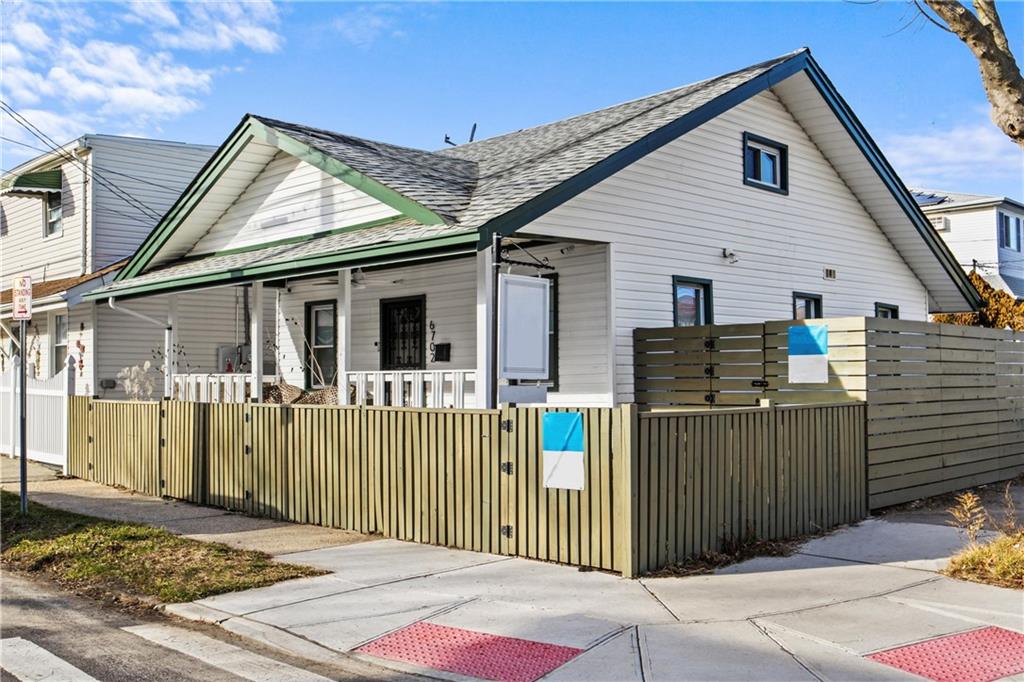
[
  {"x": 366, "y": 24},
  {"x": 225, "y": 25},
  {"x": 29, "y": 36},
  {"x": 970, "y": 156},
  {"x": 75, "y": 68}
]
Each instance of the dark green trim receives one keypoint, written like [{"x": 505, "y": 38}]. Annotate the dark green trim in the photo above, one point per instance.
[
  {"x": 783, "y": 150},
  {"x": 351, "y": 258},
  {"x": 894, "y": 309},
  {"x": 813, "y": 297},
  {"x": 250, "y": 128},
  {"x": 385, "y": 333},
  {"x": 48, "y": 179},
  {"x": 707, "y": 299},
  {"x": 295, "y": 240},
  {"x": 308, "y": 334},
  {"x": 345, "y": 173}
]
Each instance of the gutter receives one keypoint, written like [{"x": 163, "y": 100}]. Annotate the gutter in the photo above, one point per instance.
[{"x": 82, "y": 153}]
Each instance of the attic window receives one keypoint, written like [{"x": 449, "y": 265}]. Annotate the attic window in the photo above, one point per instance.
[{"x": 765, "y": 163}]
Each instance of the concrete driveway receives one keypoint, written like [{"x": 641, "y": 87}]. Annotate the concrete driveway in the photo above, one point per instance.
[{"x": 818, "y": 614}]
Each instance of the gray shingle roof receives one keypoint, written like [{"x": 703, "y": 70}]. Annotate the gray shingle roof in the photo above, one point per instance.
[{"x": 473, "y": 183}]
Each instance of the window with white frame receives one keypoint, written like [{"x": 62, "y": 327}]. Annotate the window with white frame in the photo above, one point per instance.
[
  {"x": 321, "y": 344},
  {"x": 54, "y": 213},
  {"x": 765, "y": 163},
  {"x": 59, "y": 334}
]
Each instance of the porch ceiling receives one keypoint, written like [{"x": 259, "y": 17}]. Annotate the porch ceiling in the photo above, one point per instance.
[{"x": 393, "y": 242}]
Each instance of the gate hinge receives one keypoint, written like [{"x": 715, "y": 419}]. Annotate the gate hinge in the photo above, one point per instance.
[
  {"x": 163, "y": 483},
  {"x": 506, "y": 531},
  {"x": 90, "y": 439},
  {"x": 248, "y": 417},
  {"x": 163, "y": 442},
  {"x": 248, "y": 494},
  {"x": 163, "y": 413},
  {"x": 506, "y": 425},
  {"x": 505, "y": 467},
  {"x": 709, "y": 343},
  {"x": 248, "y": 449},
  {"x": 709, "y": 398},
  {"x": 708, "y": 370}
]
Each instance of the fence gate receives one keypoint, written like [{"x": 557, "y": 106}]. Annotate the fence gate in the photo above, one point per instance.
[{"x": 46, "y": 417}]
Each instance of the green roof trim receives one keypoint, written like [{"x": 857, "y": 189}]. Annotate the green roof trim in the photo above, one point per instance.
[
  {"x": 40, "y": 180},
  {"x": 367, "y": 255},
  {"x": 350, "y": 176},
  {"x": 251, "y": 128}
]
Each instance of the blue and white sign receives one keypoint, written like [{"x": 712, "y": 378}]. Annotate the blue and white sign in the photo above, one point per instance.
[
  {"x": 808, "y": 354},
  {"x": 563, "y": 450}
]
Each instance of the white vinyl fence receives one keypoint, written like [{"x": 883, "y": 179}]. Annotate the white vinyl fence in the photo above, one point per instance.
[{"x": 46, "y": 416}]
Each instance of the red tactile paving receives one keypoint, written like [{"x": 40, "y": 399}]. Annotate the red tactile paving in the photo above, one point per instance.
[
  {"x": 466, "y": 652},
  {"x": 976, "y": 656}
]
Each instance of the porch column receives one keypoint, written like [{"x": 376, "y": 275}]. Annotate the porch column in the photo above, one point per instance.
[
  {"x": 343, "y": 333},
  {"x": 256, "y": 341},
  {"x": 484, "y": 314},
  {"x": 170, "y": 346}
]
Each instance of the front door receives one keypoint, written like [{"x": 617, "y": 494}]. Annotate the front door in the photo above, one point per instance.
[{"x": 403, "y": 333}]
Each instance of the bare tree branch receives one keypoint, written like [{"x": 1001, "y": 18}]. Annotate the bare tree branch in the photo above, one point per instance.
[{"x": 1000, "y": 76}]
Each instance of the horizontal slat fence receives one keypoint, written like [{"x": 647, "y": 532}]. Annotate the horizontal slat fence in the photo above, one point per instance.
[
  {"x": 706, "y": 479},
  {"x": 945, "y": 402},
  {"x": 658, "y": 487}
]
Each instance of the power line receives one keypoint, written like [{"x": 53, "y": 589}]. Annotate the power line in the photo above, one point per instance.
[
  {"x": 98, "y": 177},
  {"x": 12, "y": 141}
]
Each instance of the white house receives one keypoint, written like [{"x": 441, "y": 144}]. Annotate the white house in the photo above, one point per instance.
[
  {"x": 750, "y": 196},
  {"x": 69, "y": 219},
  {"x": 984, "y": 232}
]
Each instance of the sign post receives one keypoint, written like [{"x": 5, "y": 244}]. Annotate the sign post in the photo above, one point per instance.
[{"x": 21, "y": 298}]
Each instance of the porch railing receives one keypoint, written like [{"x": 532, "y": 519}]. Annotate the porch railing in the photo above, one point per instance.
[
  {"x": 454, "y": 388},
  {"x": 212, "y": 388}
]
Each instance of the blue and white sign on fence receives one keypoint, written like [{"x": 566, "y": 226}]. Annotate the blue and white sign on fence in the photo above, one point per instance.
[
  {"x": 563, "y": 450},
  {"x": 808, "y": 354}
]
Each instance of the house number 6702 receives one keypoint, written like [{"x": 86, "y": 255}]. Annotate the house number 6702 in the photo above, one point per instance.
[{"x": 433, "y": 333}]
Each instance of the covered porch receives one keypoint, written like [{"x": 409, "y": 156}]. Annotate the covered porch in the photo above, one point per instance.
[{"x": 411, "y": 333}]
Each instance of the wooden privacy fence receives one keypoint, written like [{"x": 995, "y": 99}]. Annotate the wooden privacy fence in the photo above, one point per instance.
[
  {"x": 945, "y": 402},
  {"x": 657, "y": 487}
]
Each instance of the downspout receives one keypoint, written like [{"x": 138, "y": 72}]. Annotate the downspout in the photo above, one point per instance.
[
  {"x": 168, "y": 340},
  {"x": 83, "y": 158}
]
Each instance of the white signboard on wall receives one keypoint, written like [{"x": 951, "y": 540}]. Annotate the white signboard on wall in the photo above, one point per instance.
[
  {"x": 21, "y": 298},
  {"x": 523, "y": 327}
]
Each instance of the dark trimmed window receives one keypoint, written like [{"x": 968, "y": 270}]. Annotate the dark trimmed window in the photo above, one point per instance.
[
  {"x": 765, "y": 163},
  {"x": 691, "y": 302},
  {"x": 887, "y": 310},
  {"x": 321, "y": 344},
  {"x": 1003, "y": 225},
  {"x": 54, "y": 213},
  {"x": 807, "y": 306}
]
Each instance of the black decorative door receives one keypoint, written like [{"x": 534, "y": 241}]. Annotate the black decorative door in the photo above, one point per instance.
[{"x": 403, "y": 333}]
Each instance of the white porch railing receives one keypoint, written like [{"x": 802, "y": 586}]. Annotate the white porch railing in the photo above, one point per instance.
[
  {"x": 422, "y": 388},
  {"x": 45, "y": 417},
  {"x": 212, "y": 388}
]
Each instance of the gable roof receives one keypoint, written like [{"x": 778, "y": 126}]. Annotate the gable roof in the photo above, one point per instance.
[{"x": 500, "y": 184}]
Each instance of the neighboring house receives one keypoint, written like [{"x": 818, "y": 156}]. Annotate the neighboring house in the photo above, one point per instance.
[
  {"x": 69, "y": 219},
  {"x": 752, "y": 196},
  {"x": 984, "y": 232}
]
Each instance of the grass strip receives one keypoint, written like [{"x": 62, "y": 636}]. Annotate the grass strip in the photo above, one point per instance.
[
  {"x": 998, "y": 562},
  {"x": 128, "y": 562}
]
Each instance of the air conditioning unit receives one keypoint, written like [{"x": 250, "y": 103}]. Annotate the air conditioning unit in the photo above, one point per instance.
[
  {"x": 829, "y": 273},
  {"x": 940, "y": 223}
]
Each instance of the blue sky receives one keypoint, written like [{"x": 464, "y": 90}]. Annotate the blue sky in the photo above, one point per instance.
[{"x": 410, "y": 72}]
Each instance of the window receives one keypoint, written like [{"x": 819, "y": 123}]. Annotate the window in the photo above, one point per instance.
[
  {"x": 887, "y": 311},
  {"x": 1003, "y": 225},
  {"x": 765, "y": 164},
  {"x": 60, "y": 342},
  {"x": 54, "y": 213},
  {"x": 806, "y": 306},
  {"x": 692, "y": 300},
  {"x": 552, "y": 381},
  {"x": 1017, "y": 234},
  {"x": 321, "y": 345}
]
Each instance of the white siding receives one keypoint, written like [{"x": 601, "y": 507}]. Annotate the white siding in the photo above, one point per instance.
[
  {"x": 206, "y": 319},
  {"x": 153, "y": 172},
  {"x": 23, "y": 248},
  {"x": 290, "y": 198},
  {"x": 972, "y": 235},
  {"x": 449, "y": 287},
  {"x": 672, "y": 213},
  {"x": 1011, "y": 261},
  {"x": 81, "y": 342}
]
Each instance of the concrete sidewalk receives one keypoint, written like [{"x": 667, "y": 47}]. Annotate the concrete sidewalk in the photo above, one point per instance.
[
  {"x": 813, "y": 615},
  {"x": 188, "y": 520}
]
